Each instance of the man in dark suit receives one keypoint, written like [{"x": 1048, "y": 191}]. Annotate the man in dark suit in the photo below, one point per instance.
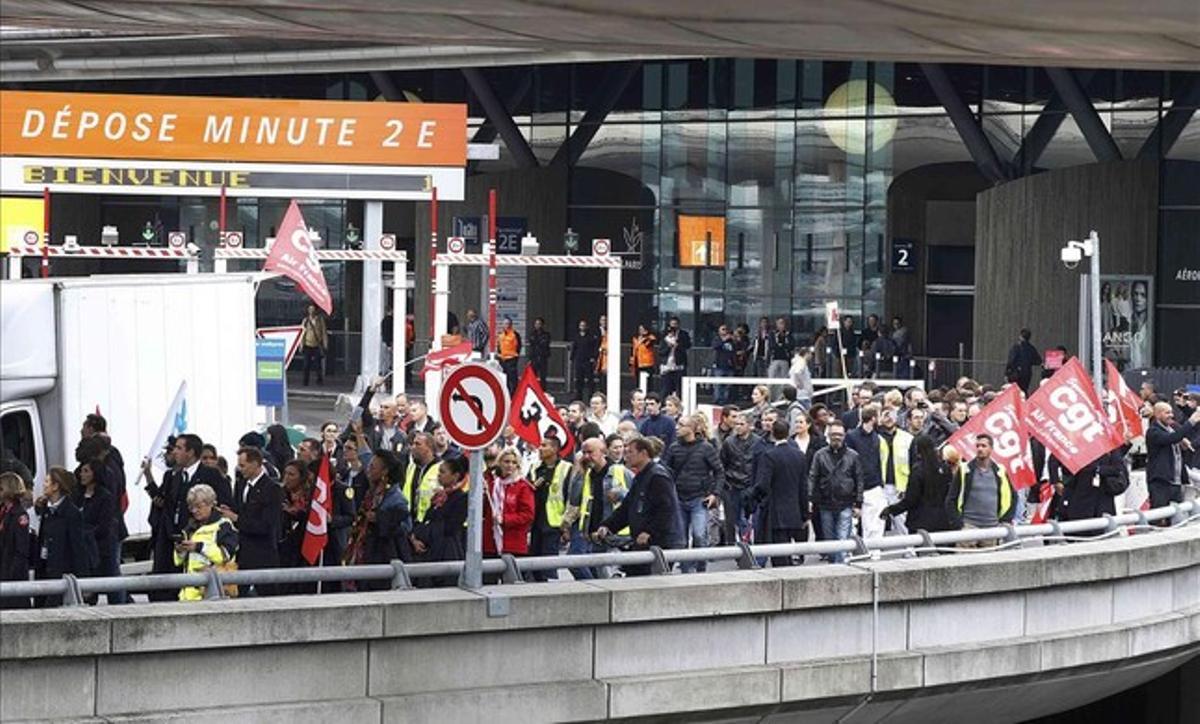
[
  {"x": 256, "y": 511},
  {"x": 1165, "y": 443},
  {"x": 189, "y": 472},
  {"x": 1022, "y": 358},
  {"x": 780, "y": 481}
]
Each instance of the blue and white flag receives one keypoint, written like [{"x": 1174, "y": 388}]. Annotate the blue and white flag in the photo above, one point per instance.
[{"x": 174, "y": 421}]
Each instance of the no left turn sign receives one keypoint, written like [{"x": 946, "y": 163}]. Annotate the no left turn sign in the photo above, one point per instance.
[{"x": 473, "y": 405}]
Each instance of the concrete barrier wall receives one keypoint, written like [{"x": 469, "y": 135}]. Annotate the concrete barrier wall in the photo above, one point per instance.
[{"x": 800, "y": 639}]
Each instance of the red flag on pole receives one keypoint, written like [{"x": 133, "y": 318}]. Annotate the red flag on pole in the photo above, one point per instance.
[
  {"x": 293, "y": 256},
  {"x": 1066, "y": 415},
  {"x": 534, "y": 417},
  {"x": 435, "y": 361},
  {"x": 1003, "y": 420},
  {"x": 316, "y": 532},
  {"x": 1124, "y": 402}
]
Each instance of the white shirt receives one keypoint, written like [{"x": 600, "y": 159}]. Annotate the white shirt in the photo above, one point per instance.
[{"x": 251, "y": 483}]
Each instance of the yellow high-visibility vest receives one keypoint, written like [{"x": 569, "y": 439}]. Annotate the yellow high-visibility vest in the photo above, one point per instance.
[
  {"x": 903, "y": 442},
  {"x": 556, "y": 502},
  {"x": 1005, "y": 489},
  {"x": 585, "y": 501},
  {"x": 425, "y": 489}
]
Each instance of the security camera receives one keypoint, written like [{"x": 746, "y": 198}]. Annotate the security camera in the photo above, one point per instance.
[{"x": 1071, "y": 256}]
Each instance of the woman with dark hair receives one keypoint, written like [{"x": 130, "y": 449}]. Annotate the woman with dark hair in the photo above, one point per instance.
[
  {"x": 925, "y": 498},
  {"x": 297, "y": 496},
  {"x": 61, "y": 546},
  {"x": 15, "y": 549},
  {"x": 98, "y": 508},
  {"x": 279, "y": 450},
  {"x": 441, "y": 536},
  {"x": 382, "y": 524}
]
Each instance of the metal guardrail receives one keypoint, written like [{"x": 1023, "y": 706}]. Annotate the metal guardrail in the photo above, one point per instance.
[{"x": 399, "y": 575}]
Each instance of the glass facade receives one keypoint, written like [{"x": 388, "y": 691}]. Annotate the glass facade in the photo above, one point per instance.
[{"x": 796, "y": 156}]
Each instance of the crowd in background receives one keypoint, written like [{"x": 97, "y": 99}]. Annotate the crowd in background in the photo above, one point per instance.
[{"x": 778, "y": 467}]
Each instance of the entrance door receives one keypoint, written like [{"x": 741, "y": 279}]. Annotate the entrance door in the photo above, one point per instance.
[{"x": 949, "y": 321}]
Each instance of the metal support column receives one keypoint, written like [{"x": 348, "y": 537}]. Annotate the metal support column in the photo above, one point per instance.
[
  {"x": 613, "y": 369},
  {"x": 1085, "y": 115},
  {"x": 399, "y": 325},
  {"x": 1171, "y": 125},
  {"x": 441, "y": 308},
  {"x": 605, "y": 99},
  {"x": 372, "y": 294},
  {"x": 964, "y": 122},
  {"x": 501, "y": 119}
]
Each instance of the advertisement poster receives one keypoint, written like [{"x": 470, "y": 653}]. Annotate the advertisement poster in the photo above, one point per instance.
[{"x": 1127, "y": 320}]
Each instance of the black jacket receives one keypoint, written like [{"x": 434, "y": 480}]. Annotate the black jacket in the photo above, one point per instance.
[
  {"x": 835, "y": 479},
  {"x": 651, "y": 507},
  {"x": 1022, "y": 358},
  {"x": 925, "y": 497},
  {"x": 866, "y": 444},
  {"x": 339, "y": 522},
  {"x": 738, "y": 461},
  {"x": 585, "y": 349},
  {"x": 1160, "y": 458},
  {"x": 16, "y": 551},
  {"x": 538, "y": 347},
  {"x": 258, "y": 523},
  {"x": 696, "y": 467},
  {"x": 682, "y": 344},
  {"x": 781, "y": 479},
  {"x": 98, "y": 521},
  {"x": 1087, "y": 494},
  {"x": 442, "y": 531},
  {"x": 61, "y": 537}
]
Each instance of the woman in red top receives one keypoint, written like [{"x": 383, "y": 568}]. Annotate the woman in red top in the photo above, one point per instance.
[{"x": 507, "y": 508}]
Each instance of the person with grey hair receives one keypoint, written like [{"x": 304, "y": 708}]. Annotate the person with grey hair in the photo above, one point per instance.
[{"x": 209, "y": 538}]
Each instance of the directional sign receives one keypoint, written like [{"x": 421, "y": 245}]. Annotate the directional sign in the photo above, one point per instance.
[
  {"x": 289, "y": 335},
  {"x": 904, "y": 255},
  {"x": 473, "y": 405},
  {"x": 268, "y": 371}
]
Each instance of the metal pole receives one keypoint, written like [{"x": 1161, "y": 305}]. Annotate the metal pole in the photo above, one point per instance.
[
  {"x": 613, "y": 371},
  {"x": 371, "y": 342},
  {"x": 221, "y": 219},
  {"x": 399, "y": 325},
  {"x": 433, "y": 252},
  {"x": 472, "y": 572},
  {"x": 1097, "y": 362},
  {"x": 441, "y": 309},
  {"x": 492, "y": 271},
  {"x": 45, "y": 232}
]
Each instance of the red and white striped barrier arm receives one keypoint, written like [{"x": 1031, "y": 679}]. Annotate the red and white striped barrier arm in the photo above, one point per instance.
[{"x": 103, "y": 252}]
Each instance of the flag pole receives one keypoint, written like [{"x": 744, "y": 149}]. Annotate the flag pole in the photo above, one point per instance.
[
  {"x": 321, "y": 564},
  {"x": 492, "y": 271}
]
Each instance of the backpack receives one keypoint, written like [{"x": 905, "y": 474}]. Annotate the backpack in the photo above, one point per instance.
[{"x": 1113, "y": 481}]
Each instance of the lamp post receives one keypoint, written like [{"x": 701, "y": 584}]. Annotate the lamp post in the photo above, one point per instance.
[{"x": 1071, "y": 255}]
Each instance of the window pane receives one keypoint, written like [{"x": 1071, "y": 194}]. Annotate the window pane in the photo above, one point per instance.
[
  {"x": 829, "y": 246},
  {"x": 829, "y": 162},
  {"x": 619, "y": 167},
  {"x": 759, "y": 252},
  {"x": 761, "y": 156},
  {"x": 694, "y": 162}
]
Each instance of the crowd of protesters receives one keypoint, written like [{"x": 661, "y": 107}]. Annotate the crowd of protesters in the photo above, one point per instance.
[{"x": 779, "y": 467}]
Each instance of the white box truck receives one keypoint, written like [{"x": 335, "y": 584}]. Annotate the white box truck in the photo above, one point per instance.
[{"x": 122, "y": 345}]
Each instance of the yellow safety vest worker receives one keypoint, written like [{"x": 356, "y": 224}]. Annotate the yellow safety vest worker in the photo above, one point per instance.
[
  {"x": 210, "y": 553},
  {"x": 903, "y": 441},
  {"x": 556, "y": 502},
  {"x": 425, "y": 489},
  {"x": 1005, "y": 496},
  {"x": 585, "y": 501}
]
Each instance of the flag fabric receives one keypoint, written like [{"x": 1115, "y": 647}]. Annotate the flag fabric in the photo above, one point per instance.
[
  {"x": 1003, "y": 419},
  {"x": 293, "y": 256},
  {"x": 316, "y": 531},
  {"x": 175, "y": 421},
  {"x": 435, "y": 361},
  {"x": 1041, "y": 512},
  {"x": 533, "y": 416},
  {"x": 1066, "y": 415},
  {"x": 1123, "y": 403}
]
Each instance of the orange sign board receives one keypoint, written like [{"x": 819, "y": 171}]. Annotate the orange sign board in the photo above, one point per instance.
[
  {"x": 193, "y": 128},
  {"x": 701, "y": 241}
]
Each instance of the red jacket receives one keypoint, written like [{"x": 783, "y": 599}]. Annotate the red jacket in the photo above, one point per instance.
[{"x": 518, "y": 517}]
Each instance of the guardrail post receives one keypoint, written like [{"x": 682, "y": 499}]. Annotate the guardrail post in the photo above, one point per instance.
[
  {"x": 72, "y": 596},
  {"x": 1058, "y": 537},
  {"x": 860, "y": 546},
  {"x": 512, "y": 572},
  {"x": 213, "y": 590},
  {"x": 659, "y": 566},
  {"x": 927, "y": 542},
  {"x": 400, "y": 579},
  {"x": 1143, "y": 521},
  {"x": 1178, "y": 516},
  {"x": 746, "y": 561},
  {"x": 1011, "y": 536},
  {"x": 1112, "y": 523}
]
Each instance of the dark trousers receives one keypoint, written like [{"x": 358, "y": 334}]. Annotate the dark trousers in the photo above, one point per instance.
[
  {"x": 585, "y": 384},
  {"x": 544, "y": 543},
  {"x": 539, "y": 370},
  {"x": 312, "y": 360},
  {"x": 786, "y": 535},
  {"x": 510, "y": 373},
  {"x": 671, "y": 383},
  {"x": 735, "y": 515}
]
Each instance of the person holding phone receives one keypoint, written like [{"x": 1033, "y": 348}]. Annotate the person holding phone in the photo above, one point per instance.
[{"x": 209, "y": 539}]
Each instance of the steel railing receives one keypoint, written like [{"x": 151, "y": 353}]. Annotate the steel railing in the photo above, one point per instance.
[{"x": 398, "y": 575}]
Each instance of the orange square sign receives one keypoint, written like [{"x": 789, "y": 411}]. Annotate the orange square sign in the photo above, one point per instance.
[{"x": 701, "y": 241}]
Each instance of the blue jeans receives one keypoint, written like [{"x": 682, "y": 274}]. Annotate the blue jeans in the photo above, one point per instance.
[
  {"x": 578, "y": 546},
  {"x": 693, "y": 518},
  {"x": 836, "y": 525},
  {"x": 721, "y": 392}
]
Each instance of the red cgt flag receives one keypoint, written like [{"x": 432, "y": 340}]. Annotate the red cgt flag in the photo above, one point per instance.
[
  {"x": 534, "y": 417},
  {"x": 1123, "y": 403},
  {"x": 1066, "y": 415},
  {"x": 316, "y": 532},
  {"x": 448, "y": 357},
  {"x": 1002, "y": 419},
  {"x": 293, "y": 256}
]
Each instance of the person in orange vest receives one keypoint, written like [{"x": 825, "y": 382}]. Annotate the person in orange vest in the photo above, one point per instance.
[
  {"x": 643, "y": 358},
  {"x": 508, "y": 344},
  {"x": 602, "y": 358}
]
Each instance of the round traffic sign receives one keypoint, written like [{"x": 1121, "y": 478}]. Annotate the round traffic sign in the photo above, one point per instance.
[
  {"x": 473, "y": 405},
  {"x": 387, "y": 242},
  {"x": 601, "y": 247},
  {"x": 456, "y": 245},
  {"x": 233, "y": 239},
  {"x": 177, "y": 239},
  {"x": 31, "y": 238}
]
